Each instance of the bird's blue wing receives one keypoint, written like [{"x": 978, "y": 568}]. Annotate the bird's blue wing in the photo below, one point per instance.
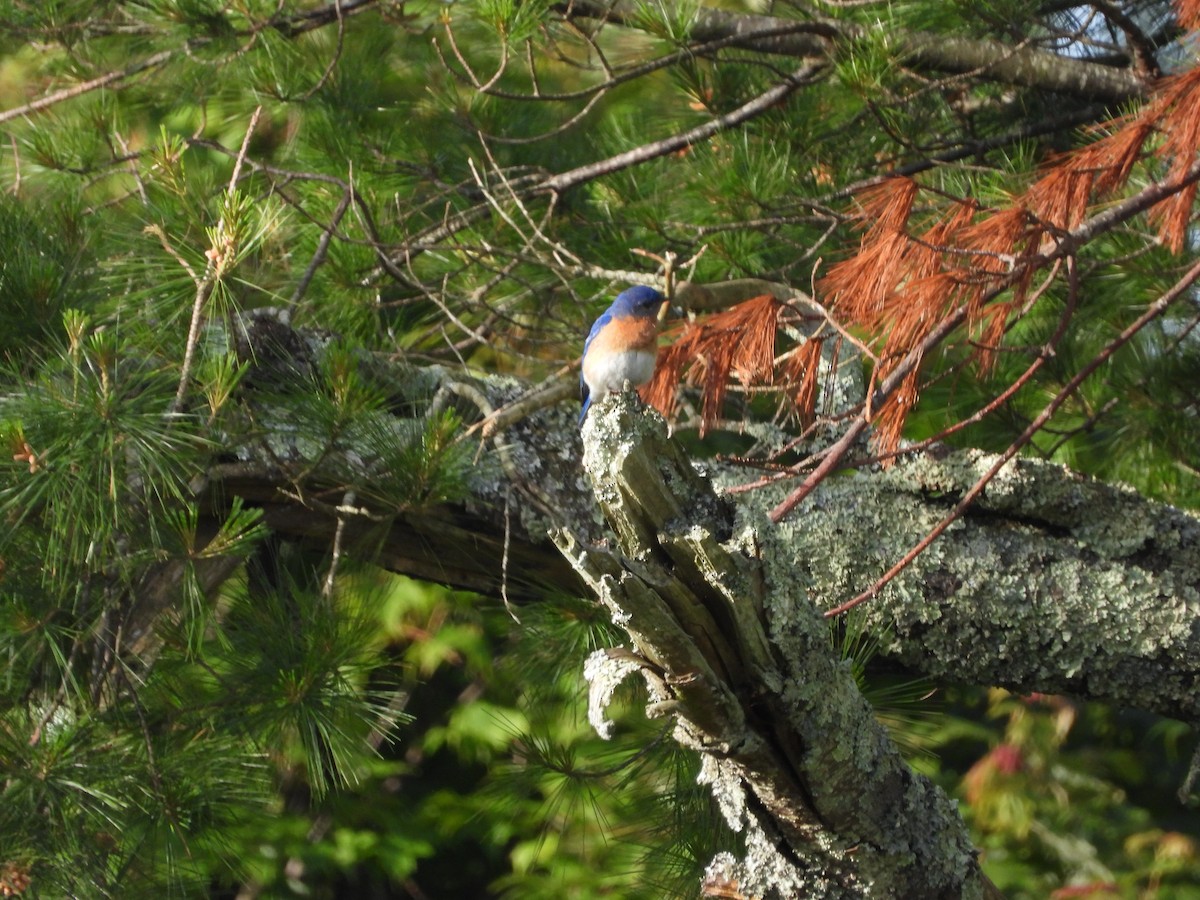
[
  {"x": 597, "y": 327},
  {"x": 584, "y": 392}
]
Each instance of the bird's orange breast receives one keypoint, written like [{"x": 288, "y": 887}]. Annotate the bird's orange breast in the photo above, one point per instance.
[{"x": 626, "y": 334}]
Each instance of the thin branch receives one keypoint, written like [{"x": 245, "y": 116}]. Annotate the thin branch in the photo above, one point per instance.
[
  {"x": 337, "y": 53},
  {"x": 1144, "y": 49},
  {"x": 157, "y": 231},
  {"x": 322, "y": 251},
  {"x": 218, "y": 257},
  {"x": 311, "y": 20},
  {"x": 1086, "y": 425},
  {"x": 689, "y": 53},
  {"x": 504, "y": 556},
  {"x": 996, "y": 402},
  {"x": 837, "y": 452},
  {"x": 236, "y": 174},
  {"x": 756, "y": 107},
  {"x": 347, "y": 505},
  {"x": 85, "y": 87}
]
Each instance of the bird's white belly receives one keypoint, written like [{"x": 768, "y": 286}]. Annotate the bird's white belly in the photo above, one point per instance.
[{"x": 610, "y": 373}]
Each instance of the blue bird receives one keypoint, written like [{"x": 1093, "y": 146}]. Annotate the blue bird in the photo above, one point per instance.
[{"x": 622, "y": 345}]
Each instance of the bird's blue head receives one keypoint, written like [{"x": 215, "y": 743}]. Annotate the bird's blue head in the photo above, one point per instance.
[{"x": 638, "y": 301}]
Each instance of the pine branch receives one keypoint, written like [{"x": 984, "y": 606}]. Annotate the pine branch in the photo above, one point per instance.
[
  {"x": 106, "y": 80},
  {"x": 940, "y": 54},
  {"x": 899, "y": 285},
  {"x": 747, "y": 111},
  {"x": 220, "y": 259},
  {"x": 292, "y": 26}
]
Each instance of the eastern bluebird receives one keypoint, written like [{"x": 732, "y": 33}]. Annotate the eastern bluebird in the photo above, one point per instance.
[{"x": 622, "y": 345}]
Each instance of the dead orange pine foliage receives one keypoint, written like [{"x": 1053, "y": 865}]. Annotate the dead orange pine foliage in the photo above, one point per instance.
[
  {"x": 1060, "y": 198},
  {"x": 993, "y": 322},
  {"x": 867, "y": 279},
  {"x": 1188, "y": 12},
  {"x": 800, "y": 371},
  {"x": 995, "y": 239},
  {"x": 911, "y": 270},
  {"x": 889, "y": 423},
  {"x": 737, "y": 342},
  {"x": 900, "y": 288},
  {"x": 1115, "y": 155},
  {"x": 1180, "y": 127},
  {"x": 886, "y": 207}
]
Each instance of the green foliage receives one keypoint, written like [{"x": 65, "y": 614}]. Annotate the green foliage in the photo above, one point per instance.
[
  {"x": 93, "y": 439},
  {"x": 133, "y": 760},
  {"x": 103, "y": 806},
  {"x": 512, "y": 20},
  {"x": 1048, "y": 788},
  {"x": 500, "y": 787},
  {"x": 671, "y": 22},
  {"x": 44, "y": 263}
]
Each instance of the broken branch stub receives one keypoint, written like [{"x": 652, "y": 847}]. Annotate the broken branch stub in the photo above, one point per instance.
[{"x": 736, "y": 651}]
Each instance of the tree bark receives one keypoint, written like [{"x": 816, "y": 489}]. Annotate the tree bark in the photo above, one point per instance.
[
  {"x": 731, "y": 645},
  {"x": 1050, "y": 582},
  {"x": 817, "y": 40}
]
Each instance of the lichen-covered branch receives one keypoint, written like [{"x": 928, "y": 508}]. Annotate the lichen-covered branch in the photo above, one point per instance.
[
  {"x": 1051, "y": 582},
  {"x": 734, "y": 648}
]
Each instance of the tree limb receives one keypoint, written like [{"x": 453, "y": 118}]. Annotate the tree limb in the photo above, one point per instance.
[
  {"x": 734, "y": 648},
  {"x": 817, "y": 40},
  {"x": 1049, "y": 582},
  {"x": 655, "y": 149}
]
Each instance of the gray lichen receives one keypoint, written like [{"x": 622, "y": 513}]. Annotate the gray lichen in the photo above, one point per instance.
[
  {"x": 1050, "y": 582},
  {"x": 790, "y": 748}
]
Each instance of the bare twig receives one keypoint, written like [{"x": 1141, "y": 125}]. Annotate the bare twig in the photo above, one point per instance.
[
  {"x": 337, "y": 52},
  {"x": 322, "y": 251},
  {"x": 504, "y": 557},
  {"x": 347, "y": 504},
  {"x": 157, "y": 231},
  {"x": 84, "y": 87}
]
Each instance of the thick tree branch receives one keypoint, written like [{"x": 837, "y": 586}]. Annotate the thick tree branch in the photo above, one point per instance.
[
  {"x": 734, "y": 648},
  {"x": 1050, "y": 582},
  {"x": 817, "y": 41}
]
